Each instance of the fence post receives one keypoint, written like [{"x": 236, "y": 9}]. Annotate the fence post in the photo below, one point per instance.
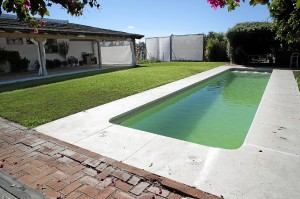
[{"x": 171, "y": 47}]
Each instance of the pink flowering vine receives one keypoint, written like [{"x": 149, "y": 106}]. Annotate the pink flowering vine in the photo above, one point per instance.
[
  {"x": 221, "y": 3},
  {"x": 113, "y": 181},
  {"x": 26, "y": 10},
  {"x": 27, "y": 2},
  {"x": 26, "y": 5},
  {"x": 217, "y": 3},
  {"x": 43, "y": 23},
  {"x": 160, "y": 191}
]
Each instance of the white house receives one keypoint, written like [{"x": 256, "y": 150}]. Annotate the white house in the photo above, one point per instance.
[{"x": 89, "y": 45}]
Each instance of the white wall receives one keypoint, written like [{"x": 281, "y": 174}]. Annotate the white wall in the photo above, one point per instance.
[
  {"x": 30, "y": 50},
  {"x": 111, "y": 55},
  {"x": 26, "y": 50},
  {"x": 76, "y": 48}
]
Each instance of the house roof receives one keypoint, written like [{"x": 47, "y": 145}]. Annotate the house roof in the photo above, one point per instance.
[{"x": 61, "y": 27}]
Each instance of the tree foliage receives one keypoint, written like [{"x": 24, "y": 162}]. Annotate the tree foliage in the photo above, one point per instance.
[
  {"x": 285, "y": 13},
  {"x": 286, "y": 20},
  {"x": 255, "y": 38},
  {"x": 215, "y": 47},
  {"x": 28, "y": 10}
]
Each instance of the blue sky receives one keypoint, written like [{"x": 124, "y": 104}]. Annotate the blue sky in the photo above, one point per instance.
[{"x": 163, "y": 17}]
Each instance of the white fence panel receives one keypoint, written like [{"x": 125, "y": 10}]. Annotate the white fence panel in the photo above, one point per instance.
[
  {"x": 152, "y": 45},
  {"x": 117, "y": 53},
  {"x": 187, "y": 48},
  {"x": 183, "y": 47},
  {"x": 164, "y": 49}
]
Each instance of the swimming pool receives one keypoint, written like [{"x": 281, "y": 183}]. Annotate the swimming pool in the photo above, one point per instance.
[{"x": 217, "y": 112}]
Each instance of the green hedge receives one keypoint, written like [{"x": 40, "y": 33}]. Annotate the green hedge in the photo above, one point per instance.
[
  {"x": 13, "y": 57},
  {"x": 215, "y": 50},
  {"x": 250, "y": 38}
]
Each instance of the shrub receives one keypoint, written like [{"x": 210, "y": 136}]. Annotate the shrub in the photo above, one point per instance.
[
  {"x": 215, "y": 50},
  {"x": 65, "y": 63},
  {"x": 215, "y": 47},
  {"x": 13, "y": 57},
  {"x": 72, "y": 61},
  {"x": 50, "y": 63},
  {"x": 63, "y": 49},
  {"x": 24, "y": 64},
  {"x": 53, "y": 63},
  {"x": 57, "y": 62},
  {"x": 3, "y": 55}
]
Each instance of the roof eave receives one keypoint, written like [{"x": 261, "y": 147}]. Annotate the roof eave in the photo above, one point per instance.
[{"x": 73, "y": 33}]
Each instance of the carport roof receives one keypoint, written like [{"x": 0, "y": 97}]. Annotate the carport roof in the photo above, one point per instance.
[{"x": 61, "y": 28}]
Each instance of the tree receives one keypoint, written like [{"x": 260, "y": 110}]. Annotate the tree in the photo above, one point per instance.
[
  {"x": 215, "y": 47},
  {"x": 63, "y": 49},
  {"x": 28, "y": 10},
  {"x": 285, "y": 13},
  {"x": 232, "y": 4},
  {"x": 286, "y": 20}
]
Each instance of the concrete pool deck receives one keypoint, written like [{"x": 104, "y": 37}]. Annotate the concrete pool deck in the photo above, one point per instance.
[{"x": 266, "y": 166}]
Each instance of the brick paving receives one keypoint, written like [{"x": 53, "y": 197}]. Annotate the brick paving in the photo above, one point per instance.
[{"x": 61, "y": 170}]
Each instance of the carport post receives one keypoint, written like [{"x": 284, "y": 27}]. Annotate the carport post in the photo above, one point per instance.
[
  {"x": 99, "y": 54},
  {"x": 134, "y": 51},
  {"x": 41, "y": 50}
]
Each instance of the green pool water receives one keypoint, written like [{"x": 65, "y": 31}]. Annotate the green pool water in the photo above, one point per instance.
[{"x": 216, "y": 113}]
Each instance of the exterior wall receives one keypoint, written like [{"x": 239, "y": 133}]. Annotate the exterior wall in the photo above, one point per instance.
[
  {"x": 76, "y": 48},
  {"x": 111, "y": 54},
  {"x": 26, "y": 50},
  {"x": 30, "y": 50},
  {"x": 52, "y": 56}
]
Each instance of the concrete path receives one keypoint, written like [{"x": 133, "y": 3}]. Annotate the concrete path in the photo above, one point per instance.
[
  {"x": 33, "y": 75},
  {"x": 266, "y": 166}
]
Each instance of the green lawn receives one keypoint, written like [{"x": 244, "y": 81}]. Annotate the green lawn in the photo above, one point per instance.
[
  {"x": 38, "y": 82},
  {"x": 38, "y": 105}
]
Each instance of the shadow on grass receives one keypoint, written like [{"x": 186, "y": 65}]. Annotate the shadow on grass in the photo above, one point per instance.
[
  {"x": 54, "y": 79},
  {"x": 139, "y": 66}
]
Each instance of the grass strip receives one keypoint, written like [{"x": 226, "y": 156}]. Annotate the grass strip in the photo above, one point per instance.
[
  {"x": 49, "y": 80},
  {"x": 42, "y": 104}
]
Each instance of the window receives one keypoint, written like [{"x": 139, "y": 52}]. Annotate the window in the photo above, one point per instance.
[
  {"x": 14, "y": 41},
  {"x": 51, "y": 46}
]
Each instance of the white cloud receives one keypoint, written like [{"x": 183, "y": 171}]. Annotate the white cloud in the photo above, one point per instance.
[{"x": 130, "y": 27}]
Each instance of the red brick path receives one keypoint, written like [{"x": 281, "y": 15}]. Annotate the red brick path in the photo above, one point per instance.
[{"x": 61, "y": 170}]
